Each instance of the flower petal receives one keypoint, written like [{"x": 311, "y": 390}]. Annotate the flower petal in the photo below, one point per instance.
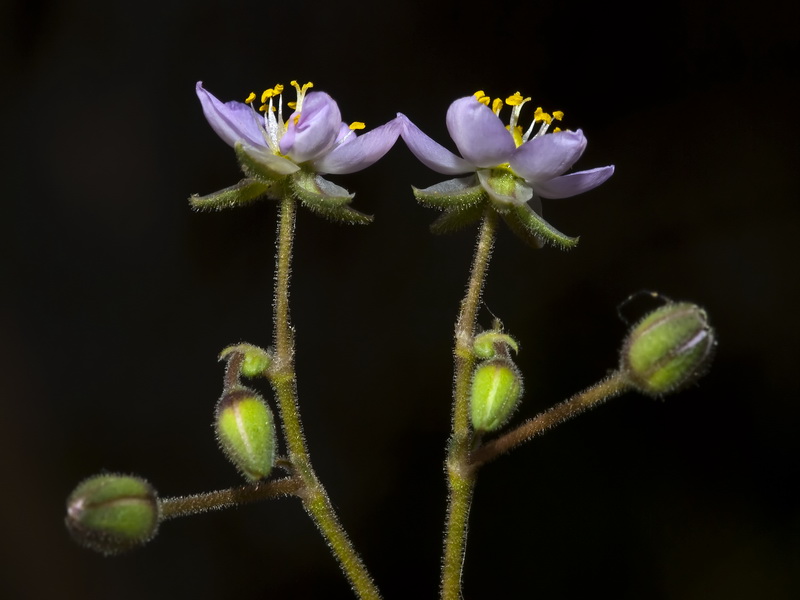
[
  {"x": 354, "y": 153},
  {"x": 574, "y": 183},
  {"x": 431, "y": 154},
  {"x": 548, "y": 156},
  {"x": 312, "y": 132},
  {"x": 479, "y": 134},
  {"x": 232, "y": 121},
  {"x": 274, "y": 164}
]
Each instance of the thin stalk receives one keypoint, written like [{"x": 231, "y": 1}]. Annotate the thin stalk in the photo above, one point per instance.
[
  {"x": 283, "y": 379},
  {"x": 460, "y": 477},
  {"x": 612, "y": 386},
  {"x": 184, "y": 506}
]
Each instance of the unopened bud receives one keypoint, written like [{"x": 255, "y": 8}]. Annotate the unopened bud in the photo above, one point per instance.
[
  {"x": 246, "y": 432},
  {"x": 496, "y": 391},
  {"x": 254, "y": 361},
  {"x": 668, "y": 349},
  {"x": 490, "y": 344},
  {"x": 113, "y": 513}
]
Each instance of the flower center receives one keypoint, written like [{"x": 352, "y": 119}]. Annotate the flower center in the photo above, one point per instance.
[
  {"x": 274, "y": 125},
  {"x": 504, "y": 180},
  {"x": 516, "y": 101}
]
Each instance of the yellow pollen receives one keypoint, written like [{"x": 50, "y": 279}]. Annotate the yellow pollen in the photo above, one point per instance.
[
  {"x": 497, "y": 105},
  {"x": 250, "y": 98},
  {"x": 482, "y": 98},
  {"x": 278, "y": 88},
  {"x": 357, "y": 125},
  {"x": 557, "y": 129},
  {"x": 292, "y": 105},
  {"x": 516, "y": 99},
  {"x": 301, "y": 89},
  {"x": 558, "y": 115},
  {"x": 263, "y": 108},
  {"x": 540, "y": 115},
  {"x": 296, "y": 119}
]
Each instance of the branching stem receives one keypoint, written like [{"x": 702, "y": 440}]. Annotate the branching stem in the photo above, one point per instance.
[
  {"x": 460, "y": 478},
  {"x": 283, "y": 380}
]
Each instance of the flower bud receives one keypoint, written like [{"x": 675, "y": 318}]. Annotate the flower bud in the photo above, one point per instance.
[
  {"x": 496, "y": 391},
  {"x": 246, "y": 432},
  {"x": 254, "y": 361},
  {"x": 113, "y": 513},
  {"x": 490, "y": 344},
  {"x": 668, "y": 349}
]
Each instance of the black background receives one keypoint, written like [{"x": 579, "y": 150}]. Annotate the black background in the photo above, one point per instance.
[{"x": 117, "y": 297}]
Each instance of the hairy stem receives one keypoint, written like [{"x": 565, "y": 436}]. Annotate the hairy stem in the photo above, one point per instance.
[
  {"x": 283, "y": 379},
  {"x": 460, "y": 477},
  {"x": 184, "y": 506},
  {"x": 612, "y": 386}
]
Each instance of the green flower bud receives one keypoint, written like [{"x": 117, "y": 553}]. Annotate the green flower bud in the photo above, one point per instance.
[
  {"x": 668, "y": 349},
  {"x": 246, "y": 432},
  {"x": 113, "y": 513},
  {"x": 490, "y": 344},
  {"x": 254, "y": 360},
  {"x": 496, "y": 391}
]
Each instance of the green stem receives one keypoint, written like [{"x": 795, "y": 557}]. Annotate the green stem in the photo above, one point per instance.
[
  {"x": 612, "y": 386},
  {"x": 184, "y": 506},
  {"x": 460, "y": 477},
  {"x": 283, "y": 380}
]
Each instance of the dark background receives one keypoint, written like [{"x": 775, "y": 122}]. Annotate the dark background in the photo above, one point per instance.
[{"x": 117, "y": 297}]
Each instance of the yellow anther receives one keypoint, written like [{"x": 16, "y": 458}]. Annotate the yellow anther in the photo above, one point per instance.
[
  {"x": 557, "y": 129},
  {"x": 357, "y": 125},
  {"x": 301, "y": 89},
  {"x": 540, "y": 115},
  {"x": 292, "y": 105},
  {"x": 558, "y": 115},
  {"x": 497, "y": 105},
  {"x": 479, "y": 94},
  {"x": 516, "y": 99},
  {"x": 266, "y": 94},
  {"x": 278, "y": 88},
  {"x": 263, "y": 108},
  {"x": 250, "y": 98},
  {"x": 516, "y": 133}
]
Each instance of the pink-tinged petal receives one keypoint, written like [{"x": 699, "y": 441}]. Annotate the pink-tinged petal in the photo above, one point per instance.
[
  {"x": 314, "y": 132},
  {"x": 358, "y": 152},
  {"x": 574, "y": 183},
  {"x": 479, "y": 134},
  {"x": 429, "y": 153},
  {"x": 548, "y": 156},
  {"x": 232, "y": 121}
]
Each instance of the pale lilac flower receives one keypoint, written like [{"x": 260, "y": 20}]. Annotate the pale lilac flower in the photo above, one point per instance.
[
  {"x": 313, "y": 136},
  {"x": 509, "y": 165},
  {"x": 288, "y": 156}
]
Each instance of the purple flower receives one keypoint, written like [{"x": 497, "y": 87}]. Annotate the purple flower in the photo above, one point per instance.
[
  {"x": 509, "y": 166},
  {"x": 287, "y": 156},
  {"x": 313, "y": 135}
]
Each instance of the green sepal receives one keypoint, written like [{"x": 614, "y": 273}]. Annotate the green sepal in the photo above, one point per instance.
[
  {"x": 457, "y": 193},
  {"x": 534, "y": 230},
  {"x": 326, "y": 199},
  {"x": 489, "y": 344},
  {"x": 245, "y": 192},
  {"x": 263, "y": 165},
  {"x": 454, "y": 219}
]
